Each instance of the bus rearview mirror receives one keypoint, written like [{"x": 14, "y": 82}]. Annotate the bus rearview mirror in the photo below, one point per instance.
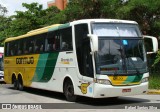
[
  {"x": 153, "y": 43},
  {"x": 94, "y": 42}
]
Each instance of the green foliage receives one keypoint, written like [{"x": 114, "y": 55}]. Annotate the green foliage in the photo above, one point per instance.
[
  {"x": 145, "y": 12},
  {"x": 4, "y": 23},
  {"x": 110, "y": 8},
  {"x": 81, "y": 9},
  {"x": 34, "y": 17},
  {"x": 48, "y": 16},
  {"x": 4, "y": 28},
  {"x": 154, "y": 81},
  {"x": 157, "y": 60},
  {"x": 3, "y": 10},
  {"x": 28, "y": 20}
]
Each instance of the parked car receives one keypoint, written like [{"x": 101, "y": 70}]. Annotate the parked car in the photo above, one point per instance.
[
  {"x": 1, "y": 76},
  {"x": 1, "y": 65}
]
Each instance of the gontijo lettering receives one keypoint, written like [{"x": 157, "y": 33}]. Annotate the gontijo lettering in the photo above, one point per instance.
[{"x": 25, "y": 60}]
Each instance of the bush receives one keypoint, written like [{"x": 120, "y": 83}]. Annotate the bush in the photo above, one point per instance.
[{"x": 154, "y": 81}]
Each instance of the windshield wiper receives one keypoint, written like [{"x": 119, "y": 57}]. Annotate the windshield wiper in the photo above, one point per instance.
[
  {"x": 123, "y": 59},
  {"x": 137, "y": 71}
]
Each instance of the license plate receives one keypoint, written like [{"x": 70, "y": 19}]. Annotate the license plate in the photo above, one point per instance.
[{"x": 126, "y": 90}]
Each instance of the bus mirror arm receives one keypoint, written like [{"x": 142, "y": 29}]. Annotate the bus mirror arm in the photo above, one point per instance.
[
  {"x": 94, "y": 42},
  {"x": 154, "y": 42}
]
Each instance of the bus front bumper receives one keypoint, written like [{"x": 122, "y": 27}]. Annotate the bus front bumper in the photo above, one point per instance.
[{"x": 104, "y": 91}]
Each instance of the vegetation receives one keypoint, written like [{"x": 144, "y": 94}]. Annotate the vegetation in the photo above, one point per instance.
[
  {"x": 154, "y": 81},
  {"x": 145, "y": 12}
]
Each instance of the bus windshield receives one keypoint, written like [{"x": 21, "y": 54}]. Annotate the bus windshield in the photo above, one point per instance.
[{"x": 119, "y": 52}]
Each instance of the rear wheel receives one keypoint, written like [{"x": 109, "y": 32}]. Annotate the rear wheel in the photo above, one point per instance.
[
  {"x": 20, "y": 84},
  {"x": 15, "y": 83},
  {"x": 69, "y": 91}
]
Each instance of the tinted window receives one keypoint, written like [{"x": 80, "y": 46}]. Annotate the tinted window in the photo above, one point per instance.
[
  {"x": 39, "y": 43},
  {"x": 52, "y": 42},
  {"x": 83, "y": 50},
  {"x": 66, "y": 39}
]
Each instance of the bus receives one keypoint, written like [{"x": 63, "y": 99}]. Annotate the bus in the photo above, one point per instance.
[{"x": 96, "y": 58}]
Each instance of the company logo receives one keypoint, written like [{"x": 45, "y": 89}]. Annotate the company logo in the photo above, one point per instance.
[
  {"x": 21, "y": 106},
  {"x": 25, "y": 60},
  {"x": 6, "y": 106},
  {"x": 83, "y": 87},
  {"x": 66, "y": 61}
]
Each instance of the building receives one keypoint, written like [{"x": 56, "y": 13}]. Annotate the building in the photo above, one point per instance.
[{"x": 60, "y": 4}]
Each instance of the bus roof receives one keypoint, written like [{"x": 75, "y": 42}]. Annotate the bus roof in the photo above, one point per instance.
[
  {"x": 60, "y": 26},
  {"x": 103, "y": 20},
  {"x": 33, "y": 32}
]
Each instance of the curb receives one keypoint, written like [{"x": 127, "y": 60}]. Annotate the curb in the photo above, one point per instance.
[{"x": 156, "y": 92}]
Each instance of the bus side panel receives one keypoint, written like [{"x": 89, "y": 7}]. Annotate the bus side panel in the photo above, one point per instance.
[
  {"x": 54, "y": 68},
  {"x": 65, "y": 67},
  {"x": 23, "y": 65}
]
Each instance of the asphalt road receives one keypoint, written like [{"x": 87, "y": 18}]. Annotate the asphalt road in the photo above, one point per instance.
[{"x": 36, "y": 99}]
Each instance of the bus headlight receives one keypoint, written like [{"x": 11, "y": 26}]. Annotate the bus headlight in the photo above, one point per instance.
[
  {"x": 144, "y": 80},
  {"x": 103, "y": 81}
]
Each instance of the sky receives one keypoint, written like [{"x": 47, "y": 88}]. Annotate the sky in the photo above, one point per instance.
[{"x": 16, "y": 5}]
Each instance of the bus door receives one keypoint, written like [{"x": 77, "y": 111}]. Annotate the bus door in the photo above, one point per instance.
[
  {"x": 87, "y": 68},
  {"x": 84, "y": 59}
]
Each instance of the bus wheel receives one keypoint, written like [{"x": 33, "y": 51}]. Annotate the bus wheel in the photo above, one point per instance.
[
  {"x": 69, "y": 91},
  {"x": 20, "y": 84},
  {"x": 15, "y": 83}
]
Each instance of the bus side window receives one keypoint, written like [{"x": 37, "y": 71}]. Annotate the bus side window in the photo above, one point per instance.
[
  {"x": 52, "y": 42},
  {"x": 7, "y": 49},
  {"x": 41, "y": 48},
  {"x": 25, "y": 47},
  {"x": 11, "y": 52},
  {"x": 28, "y": 45},
  {"x": 56, "y": 44},
  {"x": 13, "y": 48},
  {"x": 39, "y": 43},
  {"x": 20, "y": 47},
  {"x": 66, "y": 39}
]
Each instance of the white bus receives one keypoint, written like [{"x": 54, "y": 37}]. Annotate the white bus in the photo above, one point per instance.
[{"x": 96, "y": 58}]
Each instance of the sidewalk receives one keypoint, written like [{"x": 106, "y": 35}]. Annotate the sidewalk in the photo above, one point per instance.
[{"x": 154, "y": 91}]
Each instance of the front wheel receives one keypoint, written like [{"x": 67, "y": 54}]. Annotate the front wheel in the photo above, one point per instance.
[{"x": 69, "y": 91}]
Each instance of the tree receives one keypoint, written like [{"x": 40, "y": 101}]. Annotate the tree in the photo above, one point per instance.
[
  {"x": 25, "y": 21},
  {"x": 49, "y": 16},
  {"x": 109, "y": 8},
  {"x": 4, "y": 23},
  {"x": 3, "y": 10},
  {"x": 82, "y": 9},
  {"x": 145, "y": 12}
]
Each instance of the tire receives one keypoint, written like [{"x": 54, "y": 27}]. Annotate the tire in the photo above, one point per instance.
[
  {"x": 15, "y": 84},
  {"x": 20, "y": 84},
  {"x": 69, "y": 91}
]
